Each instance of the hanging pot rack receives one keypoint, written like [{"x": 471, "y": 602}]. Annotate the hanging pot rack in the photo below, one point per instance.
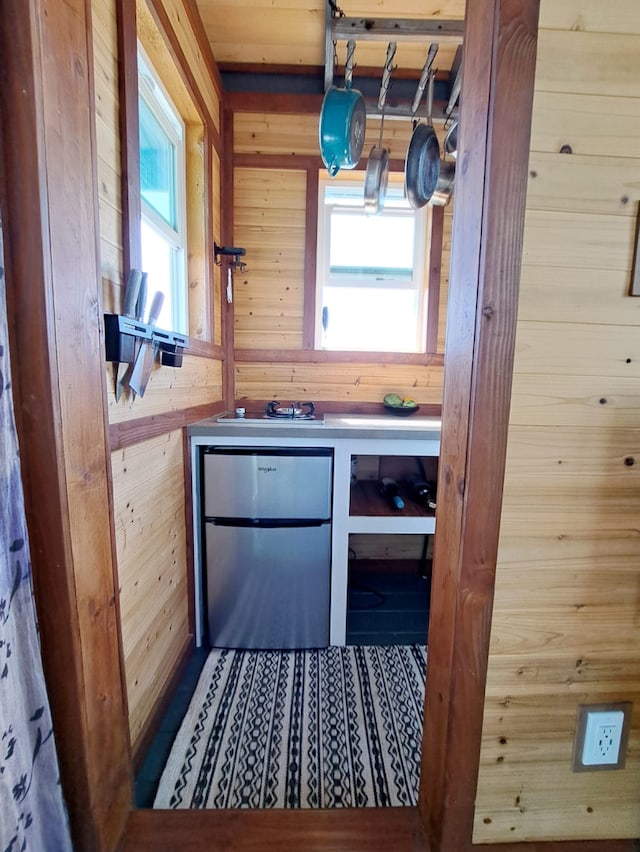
[{"x": 339, "y": 27}]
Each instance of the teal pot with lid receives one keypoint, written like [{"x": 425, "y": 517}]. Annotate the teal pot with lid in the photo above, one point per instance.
[{"x": 342, "y": 127}]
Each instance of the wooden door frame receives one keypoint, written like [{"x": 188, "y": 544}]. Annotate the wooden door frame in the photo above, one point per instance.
[
  {"x": 486, "y": 254},
  {"x": 500, "y": 47}
]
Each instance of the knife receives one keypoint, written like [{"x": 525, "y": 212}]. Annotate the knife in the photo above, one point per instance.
[
  {"x": 147, "y": 354},
  {"x": 141, "y": 301},
  {"x": 129, "y": 301}
]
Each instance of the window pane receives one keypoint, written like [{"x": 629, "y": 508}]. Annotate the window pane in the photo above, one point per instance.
[
  {"x": 371, "y": 243},
  {"x": 159, "y": 262},
  {"x": 157, "y": 166},
  {"x": 370, "y": 319}
]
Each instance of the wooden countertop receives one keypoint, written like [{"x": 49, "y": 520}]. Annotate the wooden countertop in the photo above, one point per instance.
[{"x": 331, "y": 426}]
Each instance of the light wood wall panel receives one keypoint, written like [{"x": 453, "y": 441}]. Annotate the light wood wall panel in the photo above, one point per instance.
[
  {"x": 590, "y": 63},
  {"x": 577, "y": 295},
  {"x": 338, "y": 382},
  {"x": 105, "y": 54},
  {"x": 579, "y": 241},
  {"x": 585, "y": 350},
  {"x": 591, "y": 16},
  {"x": 445, "y": 264},
  {"x": 149, "y": 516},
  {"x": 269, "y": 221},
  {"x": 577, "y": 119},
  {"x": 196, "y": 61},
  {"x": 565, "y": 627},
  {"x": 197, "y": 382},
  {"x": 109, "y": 165},
  {"x": 148, "y": 477},
  {"x": 582, "y": 184},
  {"x": 269, "y": 133}
]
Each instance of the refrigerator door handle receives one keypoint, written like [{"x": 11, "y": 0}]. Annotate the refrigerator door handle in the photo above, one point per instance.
[{"x": 267, "y": 523}]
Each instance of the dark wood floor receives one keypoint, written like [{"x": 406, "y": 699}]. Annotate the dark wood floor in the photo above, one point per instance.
[{"x": 388, "y": 608}]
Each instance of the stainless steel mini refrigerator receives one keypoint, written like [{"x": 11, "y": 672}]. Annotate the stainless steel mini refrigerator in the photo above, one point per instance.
[{"x": 267, "y": 542}]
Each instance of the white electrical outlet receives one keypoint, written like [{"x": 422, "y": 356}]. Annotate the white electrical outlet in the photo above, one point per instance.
[{"x": 602, "y": 738}]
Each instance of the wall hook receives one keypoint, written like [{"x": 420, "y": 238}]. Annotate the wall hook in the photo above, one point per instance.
[{"x": 229, "y": 251}]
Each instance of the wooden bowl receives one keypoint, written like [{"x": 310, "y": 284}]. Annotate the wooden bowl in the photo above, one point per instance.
[{"x": 401, "y": 410}]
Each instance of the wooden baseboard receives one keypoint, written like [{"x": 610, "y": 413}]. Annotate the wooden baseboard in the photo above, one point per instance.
[
  {"x": 358, "y": 830},
  {"x": 337, "y": 830}
]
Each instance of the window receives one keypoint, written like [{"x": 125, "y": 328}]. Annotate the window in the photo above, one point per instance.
[
  {"x": 370, "y": 272},
  {"x": 162, "y": 191}
]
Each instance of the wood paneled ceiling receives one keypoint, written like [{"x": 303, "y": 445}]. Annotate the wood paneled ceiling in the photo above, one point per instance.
[{"x": 269, "y": 35}]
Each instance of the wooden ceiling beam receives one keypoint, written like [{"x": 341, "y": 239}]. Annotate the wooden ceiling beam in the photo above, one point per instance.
[{"x": 396, "y": 29}]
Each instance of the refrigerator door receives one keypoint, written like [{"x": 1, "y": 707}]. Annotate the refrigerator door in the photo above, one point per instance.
[
  {"x": 268, "y": 587},
  {"x": 253, "y": 483}
]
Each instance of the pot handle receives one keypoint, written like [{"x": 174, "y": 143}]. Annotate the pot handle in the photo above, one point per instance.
[
  {"x": 432, "y": 79},
  {"x": 455, "y": 92},
  {"x": 386, "y": 75},
  {"x": 333, "y": 168},
  {"x": 348, "y": 68},
  {"x": 431, "y": 55}
]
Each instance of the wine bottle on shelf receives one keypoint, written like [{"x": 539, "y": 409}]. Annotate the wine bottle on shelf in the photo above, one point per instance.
[
  {"x": 422, "y": 491},
  {"x": 388, "y": 487}
]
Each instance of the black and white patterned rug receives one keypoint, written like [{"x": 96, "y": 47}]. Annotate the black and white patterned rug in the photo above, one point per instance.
[{"x": 330, "y": 728}]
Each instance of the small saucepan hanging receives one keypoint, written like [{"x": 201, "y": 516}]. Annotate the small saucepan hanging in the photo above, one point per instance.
[
  {"x": 422, "y": 164},
  {"x": 377, "y": 175},
  {"x": 450, "y": 143},
  {"x": 342, "y": 122},
  {"x": 444, "y": 188}
]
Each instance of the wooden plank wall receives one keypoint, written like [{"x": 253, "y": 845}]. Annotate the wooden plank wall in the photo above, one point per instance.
[
  {"x": 270, "y": 202},
  {"x": 567, "y": 602},
  {"x": 148, "y": 463},
  {"x": 151, "y": 545}
]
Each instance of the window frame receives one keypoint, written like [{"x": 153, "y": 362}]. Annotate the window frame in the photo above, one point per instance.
[
  {"x": 137, "y": 21},
  {"x": 176, "y": 237},
  {"x": 418, "y": 283}
]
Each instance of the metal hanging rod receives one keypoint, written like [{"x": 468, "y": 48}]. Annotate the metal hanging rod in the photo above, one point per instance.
[
  {"x": 403, "y": 112},
  {"x": 339, "y": 27}
]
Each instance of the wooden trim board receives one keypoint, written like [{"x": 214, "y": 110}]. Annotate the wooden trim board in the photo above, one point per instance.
[{"x": 488, "y": 225}]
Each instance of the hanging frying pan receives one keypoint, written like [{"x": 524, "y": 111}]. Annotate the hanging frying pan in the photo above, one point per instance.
[
  {"x": 422, "y": 164},
  {"x": 376, "y": 177},
  {"x": 342, "y": 122}
]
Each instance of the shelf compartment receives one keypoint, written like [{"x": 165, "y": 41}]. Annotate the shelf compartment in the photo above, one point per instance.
[{"x": 367, "y": 500}]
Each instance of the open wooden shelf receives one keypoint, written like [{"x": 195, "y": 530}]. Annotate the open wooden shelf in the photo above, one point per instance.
[
  {"x": 370, "y": 512},
  {"x": 367, "y": 501}
]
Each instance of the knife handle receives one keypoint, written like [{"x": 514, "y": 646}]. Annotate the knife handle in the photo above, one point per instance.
[
  {"x": 156, "y": 307},
  {"x": 131, "y": 293},
  {"x": 142, "y": 298}
]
